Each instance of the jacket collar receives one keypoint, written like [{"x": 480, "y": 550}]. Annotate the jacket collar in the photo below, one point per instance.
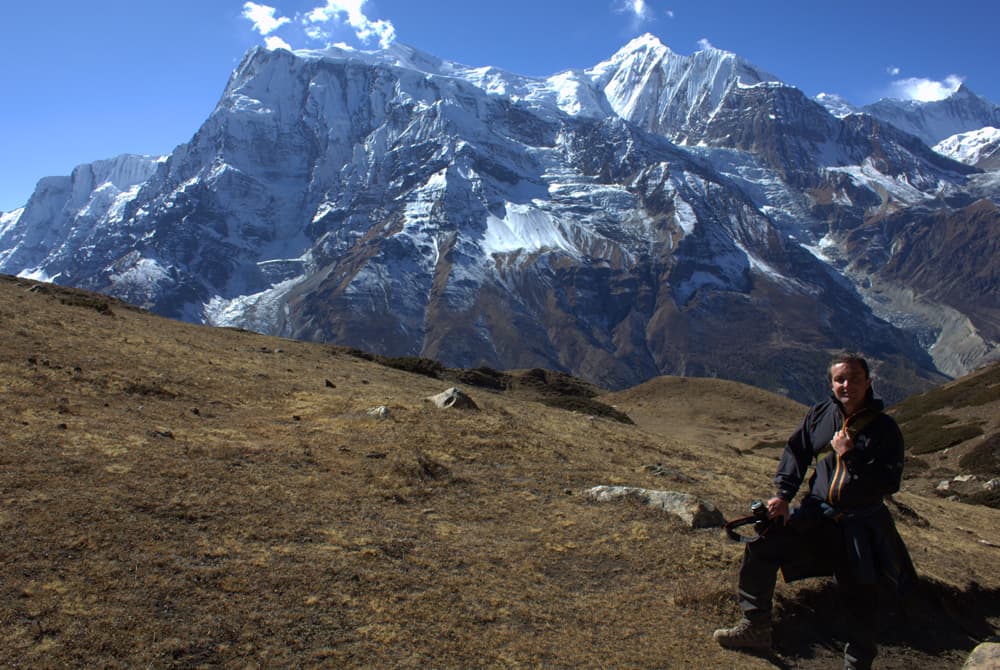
[{"x": 871, "y": 404}]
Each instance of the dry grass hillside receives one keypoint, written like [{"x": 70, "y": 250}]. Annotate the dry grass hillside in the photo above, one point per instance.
[
  {"x": 174, "y": 496},
  {"x": 953, "y": 438}
]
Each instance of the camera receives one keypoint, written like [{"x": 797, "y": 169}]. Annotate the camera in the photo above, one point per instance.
[
  {"x": 758, "y": 517},
  {"x": 758, "y": 509}
]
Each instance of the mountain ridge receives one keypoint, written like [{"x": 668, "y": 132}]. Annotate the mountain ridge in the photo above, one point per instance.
[{"x": 480, "y": 217}]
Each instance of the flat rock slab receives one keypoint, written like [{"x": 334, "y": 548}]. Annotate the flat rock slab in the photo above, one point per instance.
[{"x": 693, "y": 511}]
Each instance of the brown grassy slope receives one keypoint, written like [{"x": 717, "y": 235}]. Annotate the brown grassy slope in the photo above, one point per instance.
[
  {"x": 955, "y": 430},
  {"x": 179, "y": 496},
  {"x": 731, "y": 415}
]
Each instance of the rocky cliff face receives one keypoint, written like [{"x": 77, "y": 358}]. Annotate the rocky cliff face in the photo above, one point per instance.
[{"x": 654, "y": 214}]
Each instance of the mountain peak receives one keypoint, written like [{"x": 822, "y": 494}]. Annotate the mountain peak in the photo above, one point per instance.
[
  {"x": 412, "y": 58},
  {"x": 396, "y": 54},
  {"x": 965, "y": 95},
  {"x": 646, "y": 41},
  {"x": 645, "y": 48},
  {"x": 708, "y": 48},
  {"x": 962, "y": 90},
  {"x": 836, "y": 104},
  {"x": 936, "y": 120}
]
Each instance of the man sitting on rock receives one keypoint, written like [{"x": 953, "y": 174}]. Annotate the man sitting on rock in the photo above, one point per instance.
[{"x": 843, "y": 527}]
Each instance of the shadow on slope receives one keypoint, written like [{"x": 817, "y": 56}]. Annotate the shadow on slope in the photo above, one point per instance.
[
  {"x": 935, "y": 620},
  {"x": 555, "y": 389}
]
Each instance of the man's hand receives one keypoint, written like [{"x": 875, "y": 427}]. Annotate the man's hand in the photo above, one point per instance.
[
  {"x": 842, "y": 442},
  {"x": 778, "y": 507}
]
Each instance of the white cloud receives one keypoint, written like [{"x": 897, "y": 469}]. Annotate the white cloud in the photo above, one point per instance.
[
  {"x": 893, "y": 71},
  {"x": 638, "y": 9},
  {"x": 317, "y": 33},
  {"x": 925, "y": 90},
  {"x": 670, "y": 13},
  {"x": 263, "y": 18},
  {"x": 704, "y": 44},
  {"x": 334, "y": 11},
  {"x": 272, "y": 42}
]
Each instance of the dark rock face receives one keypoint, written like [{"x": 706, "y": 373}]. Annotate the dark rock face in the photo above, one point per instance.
[{"x": 952, "y": 256}]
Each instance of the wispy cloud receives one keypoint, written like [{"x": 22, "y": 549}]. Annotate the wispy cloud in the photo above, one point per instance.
[
  {"x": 669, "y": 13},
  {"x": 925, "y": 90},
  {"x": 263, "y": 17},
  {"x": 893, "y": 71},
  {"x": 704, "y": 44},
  {"x": 638, "y": 9},
  {"x": 321, "y": 22}
]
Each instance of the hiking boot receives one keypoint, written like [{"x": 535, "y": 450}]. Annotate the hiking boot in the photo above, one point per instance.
[
  {"x": 859, "y": 655},
  {"x": 747, "y": 634}
]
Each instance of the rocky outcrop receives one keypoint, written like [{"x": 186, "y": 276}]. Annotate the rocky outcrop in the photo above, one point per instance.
[
  {"x": 453, "y": 398},
  {"x": 691, "y": 510}
]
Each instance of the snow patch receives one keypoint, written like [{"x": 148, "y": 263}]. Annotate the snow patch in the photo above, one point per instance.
[
  {"x": 684, "y": 216},
  {"x": 144, "y": 272},
  {"x": 574, "y": 95},
  {"x": 758, "y": 84},
  {"x": 37, "y": 274},
  {"x": 9, "y": 219},
  {"x": 259, "y": 312},
  {"x": 524, "y": 228},
  {"x": 899, "y": 188},
  {"x": 324, "y": 209},
  {"x": 836, "y": 105},
  {"x": 971, "y": 147},
  {"x": 419, "y": 208},
  {"x": 698, "y": 280},
  {"x": 109, "y": 202},
  {"x": 823, "y": 249},
  {"x": 117, "y": 209},
  {"x": 244, "y": 103}
]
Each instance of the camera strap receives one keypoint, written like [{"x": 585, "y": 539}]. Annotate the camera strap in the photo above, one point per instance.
[{"x": 731, "y": 526}]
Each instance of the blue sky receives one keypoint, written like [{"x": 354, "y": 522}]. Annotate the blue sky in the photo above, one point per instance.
[{"x": 84, "y": 81}]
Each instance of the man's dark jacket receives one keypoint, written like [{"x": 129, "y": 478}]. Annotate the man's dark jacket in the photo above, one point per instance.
[{"x": 848, "y": 490}]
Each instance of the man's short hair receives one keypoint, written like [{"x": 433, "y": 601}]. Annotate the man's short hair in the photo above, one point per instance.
[{"x": 848, "y": 358}]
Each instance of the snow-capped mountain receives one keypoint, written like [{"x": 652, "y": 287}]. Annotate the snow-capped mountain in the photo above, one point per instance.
[
  {"x": 65, "y": 210},
  {"x": 653, "y": 214},
  {"x": 935, "y": 121},
  {"x": 672, "y": 95},
  {"x": 980, "y": 148}
]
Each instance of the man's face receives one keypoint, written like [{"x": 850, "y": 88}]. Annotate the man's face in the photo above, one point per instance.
[{"x": 850, "y": 385}]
